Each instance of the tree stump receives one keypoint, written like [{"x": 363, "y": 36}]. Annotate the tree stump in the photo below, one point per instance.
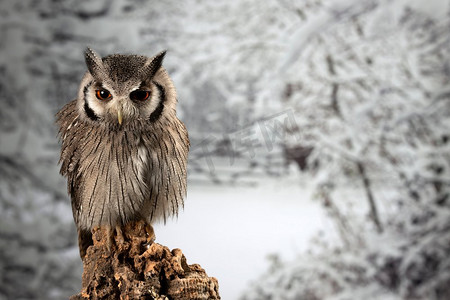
[{"x": 125, "y": 267}]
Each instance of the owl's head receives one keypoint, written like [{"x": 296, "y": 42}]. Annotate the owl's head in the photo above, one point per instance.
[{"x": 120, "y": 90}]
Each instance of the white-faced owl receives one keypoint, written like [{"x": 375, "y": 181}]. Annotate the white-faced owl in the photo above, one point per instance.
[{"x": 124, "y": 150}]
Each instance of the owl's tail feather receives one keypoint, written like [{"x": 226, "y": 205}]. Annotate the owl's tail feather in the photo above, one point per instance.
[{"x": 84, "y": 241}]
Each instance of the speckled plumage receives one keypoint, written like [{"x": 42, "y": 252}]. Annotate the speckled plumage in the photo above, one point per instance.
[{"x": 120, "y": 171}]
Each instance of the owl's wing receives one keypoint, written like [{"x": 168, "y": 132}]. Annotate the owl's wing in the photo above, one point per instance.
[
  {"x": 67, "y": 119},
  {"x": 166, "y": 172}
]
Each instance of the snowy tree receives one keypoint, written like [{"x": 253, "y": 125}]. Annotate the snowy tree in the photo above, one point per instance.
[{"x": 371, "y": 92}]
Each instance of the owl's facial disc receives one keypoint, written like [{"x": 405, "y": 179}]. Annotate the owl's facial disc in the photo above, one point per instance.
[{"x": 125, "y": 89}]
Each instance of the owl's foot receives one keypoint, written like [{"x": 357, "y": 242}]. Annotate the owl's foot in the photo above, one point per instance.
[
  {"x": 151, "y": 237},
  {"x": 146, "y": 232},
  {"x": 109, "y": 239},
  {"x": 120, "y": 239},
  {"x": 114, "y": 235},
  {"x": 103, "y": 235},
  {"x": 131, "y": 237}
]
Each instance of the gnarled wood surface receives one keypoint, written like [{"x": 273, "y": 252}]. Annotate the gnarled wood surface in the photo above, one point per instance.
[{"x": 127, "y": 268}]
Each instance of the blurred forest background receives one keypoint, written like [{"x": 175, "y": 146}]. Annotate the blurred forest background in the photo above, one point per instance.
[{"x": 348, "y": 100}]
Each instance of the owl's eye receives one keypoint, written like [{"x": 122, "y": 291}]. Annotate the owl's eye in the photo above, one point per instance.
[
  {"x": 103, "y": 95},
  {"x": 139, "y": 95}
]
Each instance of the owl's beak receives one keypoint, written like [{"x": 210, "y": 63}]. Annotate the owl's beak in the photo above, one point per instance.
[{"x": 119, "y": 116}]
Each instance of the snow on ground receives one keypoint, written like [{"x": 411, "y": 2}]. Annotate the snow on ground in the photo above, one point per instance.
[{"x": 231, "y": 230}]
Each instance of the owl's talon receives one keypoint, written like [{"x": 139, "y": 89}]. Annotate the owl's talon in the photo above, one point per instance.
[
  {"x": 151, "y": 237},
  {"x": 109, "y": 240},
  {"x": 119, "y": 235}
]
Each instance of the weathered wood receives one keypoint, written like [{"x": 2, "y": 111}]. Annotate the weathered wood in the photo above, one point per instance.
[{"x": 123, "y": 266}]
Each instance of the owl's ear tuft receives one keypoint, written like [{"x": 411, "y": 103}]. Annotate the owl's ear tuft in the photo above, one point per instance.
[
  {"x": 93, "y": 62},
  {"x": 154, "y": 64}
]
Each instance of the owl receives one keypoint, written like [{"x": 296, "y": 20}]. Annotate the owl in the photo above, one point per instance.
[{"x": 124, "y": 150}]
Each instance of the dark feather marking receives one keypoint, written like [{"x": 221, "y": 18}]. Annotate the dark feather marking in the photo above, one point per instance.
[
  {"x": 108, "y": 197},
  {"x": 93, "y": 160},
  {"x": 108, "y": 179},
  {"x": 98, "y": 174},
  {"x": 111, "y": 190},
  {"x": 109, "y": 202},
  {"x": 74, "y": 140},
  {"x": 179, "y": 133},
  {"x": 75, "y": 203},
  {"x": 168, "y": 180},
  {"x": 145, "y": 171},
  {"x": 165, "y": 145},
  {"x": 155, "y": 205},
  {"x": 136, "y": 175},
  {"x": 89, "y": 112},
  {"x": 151, "y": 194},
  {"x": 86, "y": 144},
  {"x": 158, "y": 184},
  {"x": 174, "y": 211},
  {"x": 121, "y": 185},
  {"x": 133, "y": 188},
  {"x": 181, "y": 164},
  {"x": 93, "y": 150},
  {"x": 182, "y": 168},
  {"x": 175, "y": 152},
  {"x": 166, "y": 185},
  {"x": 137, "y": 179},
  {"x": 124, "y": 158},
  {"x": 155, "y": 140},
  {"x": 136, "y": 172},
  {"x": 161, "y": 172},
  {"x": 180, "y": 183},
  {"x": 151, "y": 186},
  {"x": 174, "y": 143},
  {"x": 113, "y": 156},
  {"x": 98, "y": 160},
  {"x": 166, "y": 173},
  {"x": 133, "y": 209},
  {"x": 92, "y": 195},
  {"x": 162, "y": 98},
  {"x": 167, "y": 196}
]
